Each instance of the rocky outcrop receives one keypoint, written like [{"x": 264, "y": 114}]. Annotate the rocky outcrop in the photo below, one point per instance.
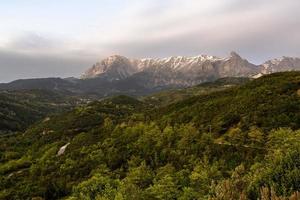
[{"x": 62, "y": 149}]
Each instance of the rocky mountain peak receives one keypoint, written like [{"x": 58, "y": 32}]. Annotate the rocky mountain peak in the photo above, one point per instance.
[
  {"x": 233, "y": 54},
  {"x": 113, "y": 67}
]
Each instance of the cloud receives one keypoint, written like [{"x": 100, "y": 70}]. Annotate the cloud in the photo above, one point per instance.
[
  {"x": 259, "y": 29},
  {"x": 20, "y": 66},
  {"x": 33, "y": 41}
]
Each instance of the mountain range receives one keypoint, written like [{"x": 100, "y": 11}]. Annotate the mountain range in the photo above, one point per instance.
[{"x": 120, "y": 75}]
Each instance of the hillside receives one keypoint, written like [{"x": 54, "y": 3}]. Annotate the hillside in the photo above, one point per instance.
[
  {"x": 269, "y": 102},
  {"x": 237, "y": 143}
]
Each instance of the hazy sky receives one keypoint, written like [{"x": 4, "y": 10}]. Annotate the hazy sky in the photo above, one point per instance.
[{"x": 42, "y": 38}]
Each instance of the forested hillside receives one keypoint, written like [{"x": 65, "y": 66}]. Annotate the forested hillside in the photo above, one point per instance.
[
  {"x": 165, "y": 98},
  {"x": 269, "y": 102},
  {"x": 240, "y": 142}
]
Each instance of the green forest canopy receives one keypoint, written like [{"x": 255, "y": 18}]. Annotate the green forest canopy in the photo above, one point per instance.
[{"x": 236, "y": 143}]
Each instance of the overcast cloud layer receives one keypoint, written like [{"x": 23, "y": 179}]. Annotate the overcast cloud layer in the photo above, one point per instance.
[{"x": 42, "y": 38}]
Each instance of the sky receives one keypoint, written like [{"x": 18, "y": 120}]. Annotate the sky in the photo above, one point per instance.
[{"x": 46, "y": 38}]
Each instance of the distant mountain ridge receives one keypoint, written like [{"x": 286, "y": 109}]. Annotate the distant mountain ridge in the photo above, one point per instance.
[
  {"x": 176, "y": 70},
  {"x": 120, "y": 67},
  {"x": 181, "y": 71},
  {"x": 120, "y": 75}
]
